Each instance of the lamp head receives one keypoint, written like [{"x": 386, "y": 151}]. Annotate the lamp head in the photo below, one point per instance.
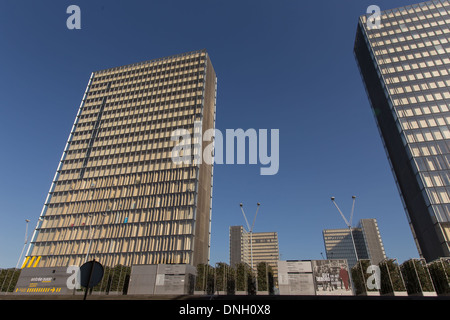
[
  {"x": 240, "y": 204},
  {"x": 258, "y": 203},
  {"x": 332, "y": 198}
]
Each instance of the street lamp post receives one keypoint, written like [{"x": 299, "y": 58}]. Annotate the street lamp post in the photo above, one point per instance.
[
  {"x": 250, "y": 230},
  {"x": 25, "y": 243}
]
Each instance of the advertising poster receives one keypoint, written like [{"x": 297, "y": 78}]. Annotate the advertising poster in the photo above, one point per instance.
[{"x": 331, "y": 277}]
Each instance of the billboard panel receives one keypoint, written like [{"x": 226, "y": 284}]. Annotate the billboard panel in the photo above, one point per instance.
[
  {"x": 290, "y": 266},
  {"x": 332, "y": 277},
  {"x": 297, "y": 284},
  {"x": 295, "y": 277}
]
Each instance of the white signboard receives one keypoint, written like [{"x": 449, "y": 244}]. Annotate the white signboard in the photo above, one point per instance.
[{"x": 294, "y": 266}]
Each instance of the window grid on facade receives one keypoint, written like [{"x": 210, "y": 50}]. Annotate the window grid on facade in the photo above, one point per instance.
[
  {"x": 410, "y": 51},
  {"x": 263, "y": 246},
  {"x": 117, "y": 195}
]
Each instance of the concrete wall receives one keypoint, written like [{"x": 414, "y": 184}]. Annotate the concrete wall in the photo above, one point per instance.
[
  {"x": 43, "y": 281},
  {"x": 162, "y": 279}
]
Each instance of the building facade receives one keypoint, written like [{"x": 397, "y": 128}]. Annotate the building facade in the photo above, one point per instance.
[
  {"x": 365, "y": 238},
  {"x": 253, "y": 249},
  {"x": 372, "y": 239},
  {"x": 404, "y": 64},
  {"x": 237, "y": 245},
  {"x": 117, "y": 196}
]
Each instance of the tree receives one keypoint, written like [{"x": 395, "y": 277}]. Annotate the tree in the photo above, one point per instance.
[
  {"x": 244, "y": 278},
  {"x": 205, "y": 278},
  {"x": 265, "y": 277},
  {"x": 416, "y": 276},
  {"x": 391, "y": 278},
  {"x": 440, "y": 275},
  {"x": 8, "y": 279},
  {"x": 225, "y": 278},
  {"x": 358, "y": 279},
  {"x": 115, "y": 279}
]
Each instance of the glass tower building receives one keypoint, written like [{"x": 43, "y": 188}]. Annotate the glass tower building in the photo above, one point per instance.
[
  {"x": 404, "y": 60},
  {"x": 365, "y": 239},
  {"x": 117, "y": 196}
]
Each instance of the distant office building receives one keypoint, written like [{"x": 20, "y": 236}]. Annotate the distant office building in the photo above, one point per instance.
[
  {"x": 117, "y": 196},
  {"x": 404, "y": 63},
  {"x": 372, "y": 239},
  {"x": 366, "y": 238},
  {"x": 264, "y": 247},
  {"x": 236, "y": 245}
]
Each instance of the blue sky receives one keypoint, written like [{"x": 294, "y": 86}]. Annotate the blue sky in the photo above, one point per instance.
[{"x": 284, "y": 65}]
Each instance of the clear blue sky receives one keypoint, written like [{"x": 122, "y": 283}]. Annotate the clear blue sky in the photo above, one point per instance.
[{"x": 284, "y": 65}]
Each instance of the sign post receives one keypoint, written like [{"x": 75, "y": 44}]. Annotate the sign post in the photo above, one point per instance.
[{"x": 91, "y": 275}]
